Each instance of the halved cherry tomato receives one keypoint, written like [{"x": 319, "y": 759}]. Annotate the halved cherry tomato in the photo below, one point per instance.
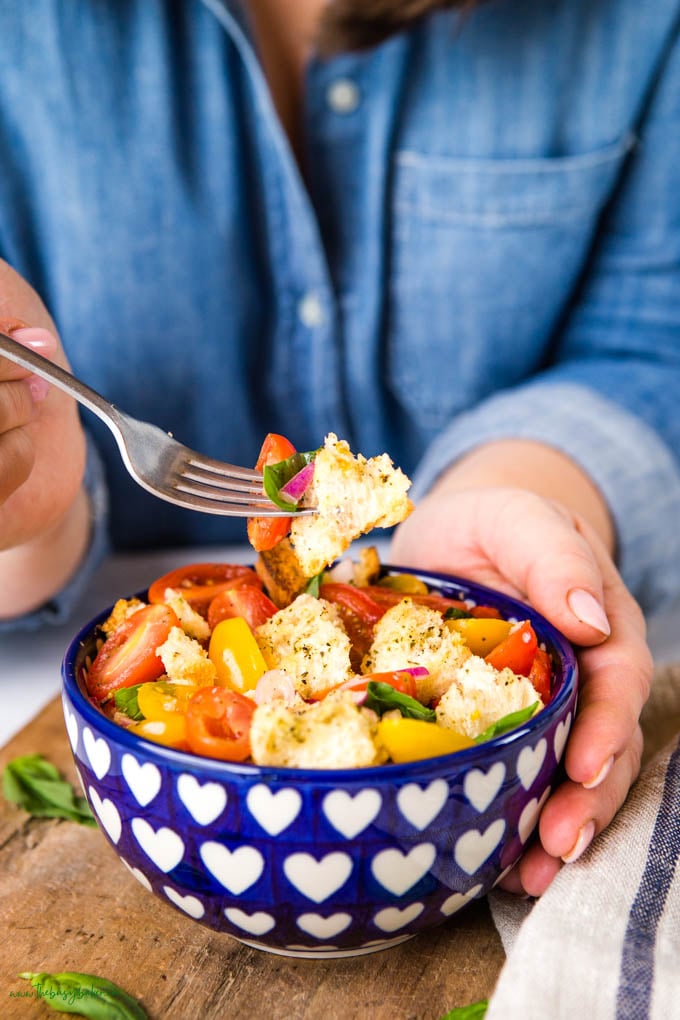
[
  {"x": 413, "y": 739},
  {"x": 266, "y": 532},
  {"x": 171, "y": 731},
  {"x": 400, "y": 680},
  {"x": 128, "y": 656},
  {"x": 516, "y": 651},
  {"x": 540, "y": 674},
  {"x": 218, "y": 724},
  {"x": 236, "y": 655},
  {"x": 387, "y": 597},
  {"x": 359, "y": 611},
  {"x": 199, "y": 583},
  {"x": 479, "y": 634},
  {"x": 160, "y": 698},
  {"x": 247, "y": 601}
]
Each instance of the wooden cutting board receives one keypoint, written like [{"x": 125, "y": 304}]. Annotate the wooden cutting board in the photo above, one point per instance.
[{"x": 67, "y": 903}]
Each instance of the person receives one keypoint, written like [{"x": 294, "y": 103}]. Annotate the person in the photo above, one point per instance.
[{"x": 451, "y": 234}]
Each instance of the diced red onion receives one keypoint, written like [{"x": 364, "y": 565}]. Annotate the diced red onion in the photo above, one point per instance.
[
  {"x": 295, "y": 487},
  {"x": 342, "y": 572},
  {"x": 275, "y": 685},
  {"x": 415, "y": 671}
]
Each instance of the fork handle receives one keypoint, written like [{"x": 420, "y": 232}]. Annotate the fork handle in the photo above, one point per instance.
[{"x": 84, "y": 394}]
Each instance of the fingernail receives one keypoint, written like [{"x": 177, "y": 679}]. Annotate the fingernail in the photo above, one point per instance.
[
  {"x": 600, "y": 776},
  {"x": 587, "y": 609},
  {"x": 584, "y": 840},
  {"x": 39, "y": 388},
  {"x": 37, "y": 338}
]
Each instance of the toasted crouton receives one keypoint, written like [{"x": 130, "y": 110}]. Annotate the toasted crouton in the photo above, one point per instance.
[
  {"x": 480, "y": 694},
  {"x": 185, "y": 660},
  {"x": 352, "y": 495},
  {"x": 280, "y": 572},
  {"x": 308, "y": 641},
  {"x": 122, "y": 610}
]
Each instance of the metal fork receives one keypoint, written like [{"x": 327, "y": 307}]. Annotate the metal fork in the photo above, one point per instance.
[{"x": 155, "y": 459}]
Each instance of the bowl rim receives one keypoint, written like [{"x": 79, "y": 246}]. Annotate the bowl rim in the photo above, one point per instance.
[{"x": 215, "y": 768}]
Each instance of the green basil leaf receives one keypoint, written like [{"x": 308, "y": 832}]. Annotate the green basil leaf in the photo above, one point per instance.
[
  {"x": 453, "y": 613},
  {"x": 275, "y": 477},
  {"x": 383, "y": 698},
  {"x": 85, "y": 994},
  {"x": 314, "y": 584},
  {"x": 34, "y": 784},
  {"x": 475, "y": 1011},
  {"x": 507, "y": 723},
  {"x": 125, "y": 699}
]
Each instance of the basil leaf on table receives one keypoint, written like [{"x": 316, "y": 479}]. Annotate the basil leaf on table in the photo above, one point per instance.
[
  {"x": 275, "y": 476},
  {"x": 475, "y": 1011},
  {"x": 34, "y": 784},
  {"x": 383, "y": 698},
  {"x": 85, "y": 994},
  {"x": 507, "y": 722},
  {"x": 125, "y": 700}
]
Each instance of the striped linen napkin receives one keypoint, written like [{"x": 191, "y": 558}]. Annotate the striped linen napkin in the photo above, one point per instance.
[{"x": 603, "y": 943}]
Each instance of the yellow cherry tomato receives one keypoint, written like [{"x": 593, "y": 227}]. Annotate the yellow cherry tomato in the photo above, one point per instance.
[
  {"x": 155, "y": 700},
  {"x": 480, "y": 634},
  {"x": 408, "y": 584},
  {"x": 236, "y": 655},
  {"x": 170, "y": 731},
  {"x": 413, "y": 739}
]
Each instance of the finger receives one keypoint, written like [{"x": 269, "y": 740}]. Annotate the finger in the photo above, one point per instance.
[
  {"x": 539, "y": 547},
  {"x": 17, "y": 457},
  {"x": 38, "y": 339},
  {"x": 17, "y": 407}
]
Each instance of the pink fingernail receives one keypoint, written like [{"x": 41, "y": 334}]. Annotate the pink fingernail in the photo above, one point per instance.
[
  {"x": 37, "y": 338},
  {"x": 600, "y": 776},
  {"x": 39, "y": 388},
  {"x": 585, "y": 838},
  {"x": 587, "y": 609}
]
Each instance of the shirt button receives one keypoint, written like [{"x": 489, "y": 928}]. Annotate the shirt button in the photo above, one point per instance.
[
  {"x": 310, "y": 310},
  {"x": 343, "y": 96}
]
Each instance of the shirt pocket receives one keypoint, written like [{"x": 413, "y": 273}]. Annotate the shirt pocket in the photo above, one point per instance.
[{"x": 486, "y": 254}]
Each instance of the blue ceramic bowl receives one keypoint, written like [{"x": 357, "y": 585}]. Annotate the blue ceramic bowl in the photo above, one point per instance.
[{"x": 322, "y": 863}]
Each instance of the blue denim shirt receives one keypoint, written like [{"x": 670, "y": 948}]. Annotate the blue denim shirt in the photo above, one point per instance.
[{"x": 483, "y": 241}]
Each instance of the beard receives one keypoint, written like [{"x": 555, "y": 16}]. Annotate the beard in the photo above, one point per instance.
[{"x": 350, "y": 25}]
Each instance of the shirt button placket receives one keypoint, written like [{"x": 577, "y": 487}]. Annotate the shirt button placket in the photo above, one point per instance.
[{"x": 311, "y": 310}]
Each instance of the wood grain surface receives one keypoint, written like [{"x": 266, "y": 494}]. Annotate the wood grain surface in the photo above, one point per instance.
[{"x": 67, "y": 903}]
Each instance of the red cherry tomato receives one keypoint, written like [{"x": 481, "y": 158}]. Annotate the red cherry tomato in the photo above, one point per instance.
[
  {"x": 128, "y": 656},
  {"x": 540, "y": 675},
  {"x": 266, "y": 532},
  {"x": 516, "y": 651},
  {"x": 247, "y": 601},
  {"x": 400, "y": 680},
  {"x": 360, "y": 613},
  {"x": 199, "y": 583},
  {"x": 389, "y": 597},
  {"x": 218, "y": 724}
]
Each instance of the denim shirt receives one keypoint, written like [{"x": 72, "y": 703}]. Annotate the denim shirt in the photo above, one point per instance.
[{"x": 483, "y": 241}]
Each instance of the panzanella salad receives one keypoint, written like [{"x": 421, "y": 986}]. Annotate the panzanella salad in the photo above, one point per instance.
[{"x": 295, "y": 664}]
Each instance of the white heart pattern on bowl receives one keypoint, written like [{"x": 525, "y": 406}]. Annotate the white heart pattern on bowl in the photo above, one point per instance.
[
  {"x": 481, "y": 787},
  {"x": 560, "y": 738},
  {"x": 163, "y": 846},
  {"x": 235, "y": 869},
  {"x": 204, "y": 802},
  {"x": 457, "y": 900},
  {"x": 108, "y": 815},
  {"x": 191, "y": 905},
  {"x": 324, "y": 927},
  {"x": 397, "y": 871},
  {"x": 143, "y": 779},
  {"x": 475, "y": 847},
  {"x": 421, "y": 806},
  {"x": 273, "y": 811},
  {"x": 529, "y": 762},
  {"x": 258, "y": 923},
  {"x": 71, "y": 728},
  {"x": 98, "y": 753},
  {"x": 139, "y": 875},
  {"x": 393, "y": 918},
  {"x": 349, "y": 814},
  {"x": 529, "y": 816},
  {"x": 317, "y": 880}
]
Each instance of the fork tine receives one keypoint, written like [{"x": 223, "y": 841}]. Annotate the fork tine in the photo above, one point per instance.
[
  {"x": 244, "y": 489},
  {"x": 218, "y": 467},
  {"x": 222, "y": 493}
]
